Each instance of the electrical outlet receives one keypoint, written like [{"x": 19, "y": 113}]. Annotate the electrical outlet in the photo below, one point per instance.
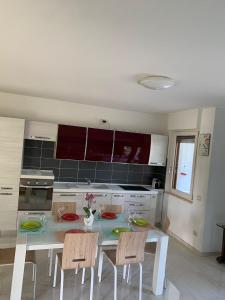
[
  {"x": 199, "y": 197},
  {"x": 195, "y": 233}
]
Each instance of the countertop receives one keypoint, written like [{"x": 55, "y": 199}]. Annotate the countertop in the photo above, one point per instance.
[{"x": 73, "y": 187}]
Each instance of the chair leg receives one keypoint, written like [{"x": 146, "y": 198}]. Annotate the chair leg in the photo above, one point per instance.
[
  {"x": 165, "y": 283},
  {"x": 61, "y": 285},
  {"x": 76, "y": 271},
  {"x": 50, "y": 262},
  {"x": 128, "y": 273},
  {"x": 35, "y": 280},
  {"x": 83, "y": 276},
  {"x": 100, "y": 265},
  {"x": 140, "y": 282},
  {"x": 55, "y": 271},
  {"x": 33, "y": 272},
  {"x": 92, "y": 283},
  {"x": 124, "y": 271},
  {"x": 115, "y": 282}
]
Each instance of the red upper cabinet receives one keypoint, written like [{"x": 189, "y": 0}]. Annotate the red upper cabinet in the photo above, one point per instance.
[
  {"x": 131, "y": 147},
  {"x": 99, "y": 145},
  {"x": 71, "y": 142}
]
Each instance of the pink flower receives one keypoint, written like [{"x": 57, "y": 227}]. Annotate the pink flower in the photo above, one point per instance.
[{"x": 90, "y": 198}]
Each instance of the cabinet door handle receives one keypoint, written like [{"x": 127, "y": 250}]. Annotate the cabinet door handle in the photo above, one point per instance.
[
  {"x": 42, "y": 137},
  {"x": 6, "y": 194},
  {"x": 6, "y": 188},
  {"x": 67, "y": 195}
]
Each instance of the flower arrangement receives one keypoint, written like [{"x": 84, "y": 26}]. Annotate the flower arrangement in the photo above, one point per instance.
[{"x": 90, "y": 198}]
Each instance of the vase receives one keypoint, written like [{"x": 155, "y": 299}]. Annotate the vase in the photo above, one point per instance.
[{"x": 89, "y": 221}]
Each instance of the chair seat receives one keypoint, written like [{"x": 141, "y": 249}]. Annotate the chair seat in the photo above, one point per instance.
[
  {"x": 7, "y": 256},
  {"x": 150, "y": 248}
]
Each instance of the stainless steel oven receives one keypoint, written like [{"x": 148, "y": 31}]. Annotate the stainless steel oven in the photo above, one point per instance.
[{"x": 35, "y": 194}]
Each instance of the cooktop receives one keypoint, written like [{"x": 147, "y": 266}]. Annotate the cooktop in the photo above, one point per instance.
[{"x": 133, "y": 188}]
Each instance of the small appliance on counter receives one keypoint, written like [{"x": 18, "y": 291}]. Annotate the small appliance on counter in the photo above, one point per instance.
[
  {"x": 36, "y": 190},
  {"x": 156, "y": 183}
]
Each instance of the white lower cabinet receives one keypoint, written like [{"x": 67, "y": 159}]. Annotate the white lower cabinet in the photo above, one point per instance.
[
  {"x": 101, "y": 198},
  {"x": 118, "y": 199},
  {"x": 139, "y": 204},
  {"x": 143, "y": 205},
  {"x": 11, "y": 148},
  {"x": 79, "y": 198},
  {"x": 8, "y": 220}
]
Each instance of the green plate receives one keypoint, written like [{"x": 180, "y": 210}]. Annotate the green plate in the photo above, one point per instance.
[
  {"x": 31, "y": 225},
  {"x": 140, "y": 222},
  {"x": 116, "y": 231}
]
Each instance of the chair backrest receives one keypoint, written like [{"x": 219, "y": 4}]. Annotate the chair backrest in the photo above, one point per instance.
[
  {"x": 65, "y": 206},
  {"x": 166, "y": 224},
  {"x": 79, "y": 250},
  {"x": 131, "y": 247},
  {"x": 117, "y": 209}
]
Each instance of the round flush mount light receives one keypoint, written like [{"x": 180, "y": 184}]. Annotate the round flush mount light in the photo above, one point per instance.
[{"x": 156, "y": 82}]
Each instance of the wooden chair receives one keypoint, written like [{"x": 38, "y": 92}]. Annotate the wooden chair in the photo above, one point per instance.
[
  {"x": 117, "y": 209},
  {"x": 58, "y": 208},
  {"x": 63, "y": 207},
  {"x": 130, "y": 250},
  {"x": 7, "y": 258},
  {"x": 79, "y": 252},
  {"x": 150, "y": 248}
]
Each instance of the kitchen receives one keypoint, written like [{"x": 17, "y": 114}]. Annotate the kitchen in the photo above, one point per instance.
[
  {"x": 51, "y": 151},
  {"x": 112, "y": 124}
]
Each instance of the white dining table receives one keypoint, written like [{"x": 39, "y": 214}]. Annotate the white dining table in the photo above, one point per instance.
[{"x": 49, "y": 239}]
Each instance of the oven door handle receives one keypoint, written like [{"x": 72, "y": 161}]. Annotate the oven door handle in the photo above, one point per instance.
[{"x": 37, "y": 186}]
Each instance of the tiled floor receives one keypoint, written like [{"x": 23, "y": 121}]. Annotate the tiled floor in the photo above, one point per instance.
[{"x": 190, "y": 278}]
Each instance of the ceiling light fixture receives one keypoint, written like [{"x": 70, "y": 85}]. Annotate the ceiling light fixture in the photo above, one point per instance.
[{"x": 156, "y": 82}]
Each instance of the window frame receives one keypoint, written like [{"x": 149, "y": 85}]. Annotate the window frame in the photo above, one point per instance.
[{"x": 174, "y": 191}]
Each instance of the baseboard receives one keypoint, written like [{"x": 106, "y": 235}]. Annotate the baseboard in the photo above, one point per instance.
[{"x": 191, "y": 247}]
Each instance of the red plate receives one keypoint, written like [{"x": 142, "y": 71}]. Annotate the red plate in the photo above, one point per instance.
[
  {"x": 109, "y": 215},
  {"x": 70, "y": 217},
  {"x": 75, "y": 231}
]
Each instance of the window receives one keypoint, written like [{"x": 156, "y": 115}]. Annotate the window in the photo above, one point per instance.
[{"x": 184, "y": 164}]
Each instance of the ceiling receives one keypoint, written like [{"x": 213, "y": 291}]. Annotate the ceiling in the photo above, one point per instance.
[{"x": 90, "y": 52}]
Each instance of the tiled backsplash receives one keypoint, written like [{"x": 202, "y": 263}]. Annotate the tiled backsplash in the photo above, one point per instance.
[{"x": 40, "y": 155}]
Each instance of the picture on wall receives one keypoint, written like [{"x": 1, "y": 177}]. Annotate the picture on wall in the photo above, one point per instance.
[{"x": 204, "y": 144}]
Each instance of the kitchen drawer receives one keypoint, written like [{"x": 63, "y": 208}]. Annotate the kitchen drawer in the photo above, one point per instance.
[
  {"x": 135, "y": 205},
  {"x": 138, "y": 197},
  {"x": 8, "y": 201},
  {"x": 118, "y": 199},
  {"x": 101, "y": 198},
  {"x": 9, "y": 185}
]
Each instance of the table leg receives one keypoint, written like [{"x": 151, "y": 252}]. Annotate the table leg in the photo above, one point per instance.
[
  {"x": 160, "y": 266},
  {"x": 18, "y": 269}
]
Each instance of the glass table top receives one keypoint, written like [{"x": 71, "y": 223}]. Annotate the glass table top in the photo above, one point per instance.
[{"x": 54, "y": 232}]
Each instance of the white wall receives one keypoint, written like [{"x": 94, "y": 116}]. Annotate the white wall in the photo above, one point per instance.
[
  {"x": 182, "y": 120},
  {"x": 215, "y": 206},
  {"x": 50, "y": 110},
  {"x": 188, "y": 218}
]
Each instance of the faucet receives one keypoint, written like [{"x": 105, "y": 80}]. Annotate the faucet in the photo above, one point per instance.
[{"x": 88, "y": 180}]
